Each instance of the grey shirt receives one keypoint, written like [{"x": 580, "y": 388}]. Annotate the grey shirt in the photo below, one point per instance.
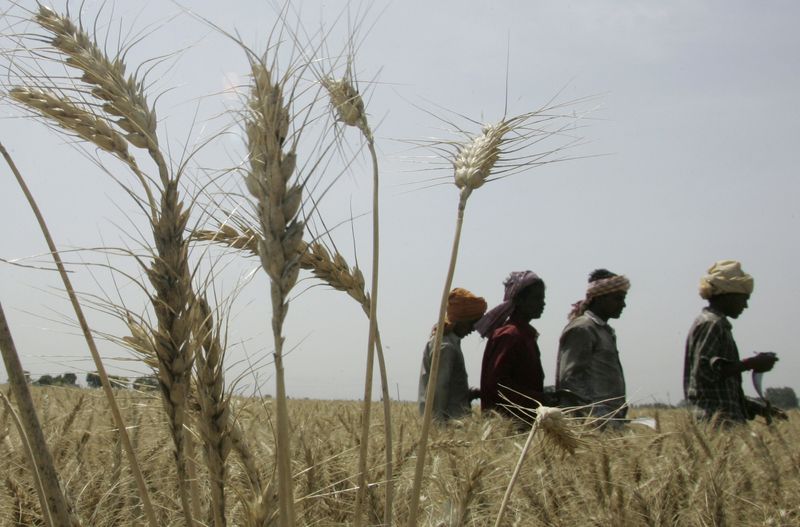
[
  {"x": 588, "y": 364},
  {"x": 451, "y": 400}
]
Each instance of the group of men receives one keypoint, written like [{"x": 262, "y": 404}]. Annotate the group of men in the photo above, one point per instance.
[{"x": 589, "y": 374}]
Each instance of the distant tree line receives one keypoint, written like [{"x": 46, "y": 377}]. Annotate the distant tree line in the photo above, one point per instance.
[
  {"x": 67, "y": 379},
  {"x": 784, "y": 398},
  {"x": 143, "y": 383}
]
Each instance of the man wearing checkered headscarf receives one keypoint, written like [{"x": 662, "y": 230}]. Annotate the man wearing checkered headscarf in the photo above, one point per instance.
[
  {"x": 452, "y": 396},
  {"x": 712, "y": 373},
  {"x": 588, "y": 362}
]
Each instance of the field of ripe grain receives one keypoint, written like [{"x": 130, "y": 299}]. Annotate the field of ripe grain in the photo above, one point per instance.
[{"x": 684, "y": 474}]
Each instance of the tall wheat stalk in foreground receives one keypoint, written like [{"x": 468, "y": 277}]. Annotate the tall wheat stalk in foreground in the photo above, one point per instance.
[
  {"x": 87, "y": 333},
  {"x": 552, "y": 422},
  {"x": 57, "y": 505},
  {"x": 112, "y": 108},
  {"x": 475, "y": 162},
  {"x": 37, "y": 480},
  {"x": 349, "y": 107},
  {"x": 277, "y": 198}
]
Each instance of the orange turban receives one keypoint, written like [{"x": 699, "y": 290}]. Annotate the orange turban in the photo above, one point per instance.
[{"x": 463, "y": 305}]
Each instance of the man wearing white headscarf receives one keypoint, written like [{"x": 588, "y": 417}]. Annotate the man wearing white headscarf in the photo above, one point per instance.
[{"x": 712, "y": 374}]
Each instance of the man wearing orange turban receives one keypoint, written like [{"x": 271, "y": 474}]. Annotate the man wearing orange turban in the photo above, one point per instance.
[{"x": 452, "y": 396}]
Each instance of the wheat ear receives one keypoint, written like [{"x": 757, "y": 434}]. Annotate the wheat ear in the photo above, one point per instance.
[
  {"x": 551, "y": 421},
  {"x": 123, "y": 95},
  {"x": 214, "y": 409},
  {"x": 277, "y": 201},
  {"x": 87, "y": 333}
]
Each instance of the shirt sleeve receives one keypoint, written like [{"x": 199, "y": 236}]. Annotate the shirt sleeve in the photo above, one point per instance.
[
  {"x": 575, "y": 359},
  {"x": 710, "y": 354}
]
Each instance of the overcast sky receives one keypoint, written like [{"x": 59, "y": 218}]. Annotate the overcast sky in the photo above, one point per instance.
[{"x": 691, "y": 157}]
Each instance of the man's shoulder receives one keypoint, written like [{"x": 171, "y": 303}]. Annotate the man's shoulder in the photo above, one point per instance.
[
  {"x": 709, "y": 317},
  {"x": 507, "y": 331},
  {"x": 581, "y": 322}
]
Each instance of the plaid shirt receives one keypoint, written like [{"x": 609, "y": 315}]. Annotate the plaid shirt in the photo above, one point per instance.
[{"x": 709, "y": 347}]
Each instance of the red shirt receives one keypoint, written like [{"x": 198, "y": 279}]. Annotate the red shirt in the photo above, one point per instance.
[{"x": 511, "y": 363}]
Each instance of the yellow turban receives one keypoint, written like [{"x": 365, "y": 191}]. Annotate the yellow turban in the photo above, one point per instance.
[
  {"x": 463, "y": 305},
  {"x": 725, "y": 276}
]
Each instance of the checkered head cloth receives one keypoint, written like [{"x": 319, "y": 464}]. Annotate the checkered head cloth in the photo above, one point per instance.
[{"x": 601, "y": 287}]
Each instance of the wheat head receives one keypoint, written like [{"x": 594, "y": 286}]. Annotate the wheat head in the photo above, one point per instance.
[{"x": 123, "y": 95}]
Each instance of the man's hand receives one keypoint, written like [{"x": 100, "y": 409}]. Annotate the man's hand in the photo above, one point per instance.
[{"x": 760, "y": 362}]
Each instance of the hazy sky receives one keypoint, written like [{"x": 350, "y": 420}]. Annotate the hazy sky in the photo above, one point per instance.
[{"x": 695, "y": 151}]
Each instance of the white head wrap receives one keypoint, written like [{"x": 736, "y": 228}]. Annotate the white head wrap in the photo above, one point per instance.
[{"x": 725, "y": 276}]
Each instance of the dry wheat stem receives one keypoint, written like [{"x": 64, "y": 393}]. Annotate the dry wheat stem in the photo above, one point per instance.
[
  {"x": 430, "y": 393},
  {"x": 349, "y": 108},
  {"x": 550, "y": 420},
  {"x": 31, "y": 460},
  {"x": 373, "y": 328},
  {"x": 59, "y": 506},
  {"x": 124, "y": 98},
  {"x": 98, "y": 362},
  {"x": 277, "y": 201}
]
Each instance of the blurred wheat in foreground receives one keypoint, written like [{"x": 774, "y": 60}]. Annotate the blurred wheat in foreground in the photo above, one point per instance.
[{"x": 684, "y": 475}]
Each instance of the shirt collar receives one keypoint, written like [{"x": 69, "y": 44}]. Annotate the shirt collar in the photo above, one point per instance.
[
  {"x": 597, "y": 320},
  {"x": 524, "y": 326},
  {"x": 720, "y": 315}
]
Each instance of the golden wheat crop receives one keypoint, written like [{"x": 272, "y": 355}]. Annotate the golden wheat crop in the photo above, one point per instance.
[{"x": 684, "y": 474}]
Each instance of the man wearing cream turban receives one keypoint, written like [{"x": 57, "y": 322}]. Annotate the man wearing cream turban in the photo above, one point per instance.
[
  {"x": 712, "y": 374},
  {"x": 452, "y": 396},
  {"x": 588, "y": 362}
]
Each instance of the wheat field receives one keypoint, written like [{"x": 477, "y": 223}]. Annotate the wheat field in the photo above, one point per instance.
[
  {"x": 682, "y": 474},
  {"x": 194, "y": 451}
]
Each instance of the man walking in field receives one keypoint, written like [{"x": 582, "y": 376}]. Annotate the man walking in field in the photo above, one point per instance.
[
  {"x": 512, "y": 377},
  {"x": 452, "y": 395},
  {"x": 712, "y": 374},
  {"x": 588, "y": 362}
]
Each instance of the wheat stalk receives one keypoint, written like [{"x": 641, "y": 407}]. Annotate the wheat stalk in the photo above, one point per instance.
[
  {"x": 56, "y": 500},
  {"x": 277, "y": 202},
  {"x": 349, "y": 107},
  {"x": 46, "y": 514},
  {"x": 123, "y": 97},
  {"x": 475, "y": 162},
  {"x": 551, "y": 421},
  {"x": 120, "y": 423},
  {"x": 214, "y": 408}
]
